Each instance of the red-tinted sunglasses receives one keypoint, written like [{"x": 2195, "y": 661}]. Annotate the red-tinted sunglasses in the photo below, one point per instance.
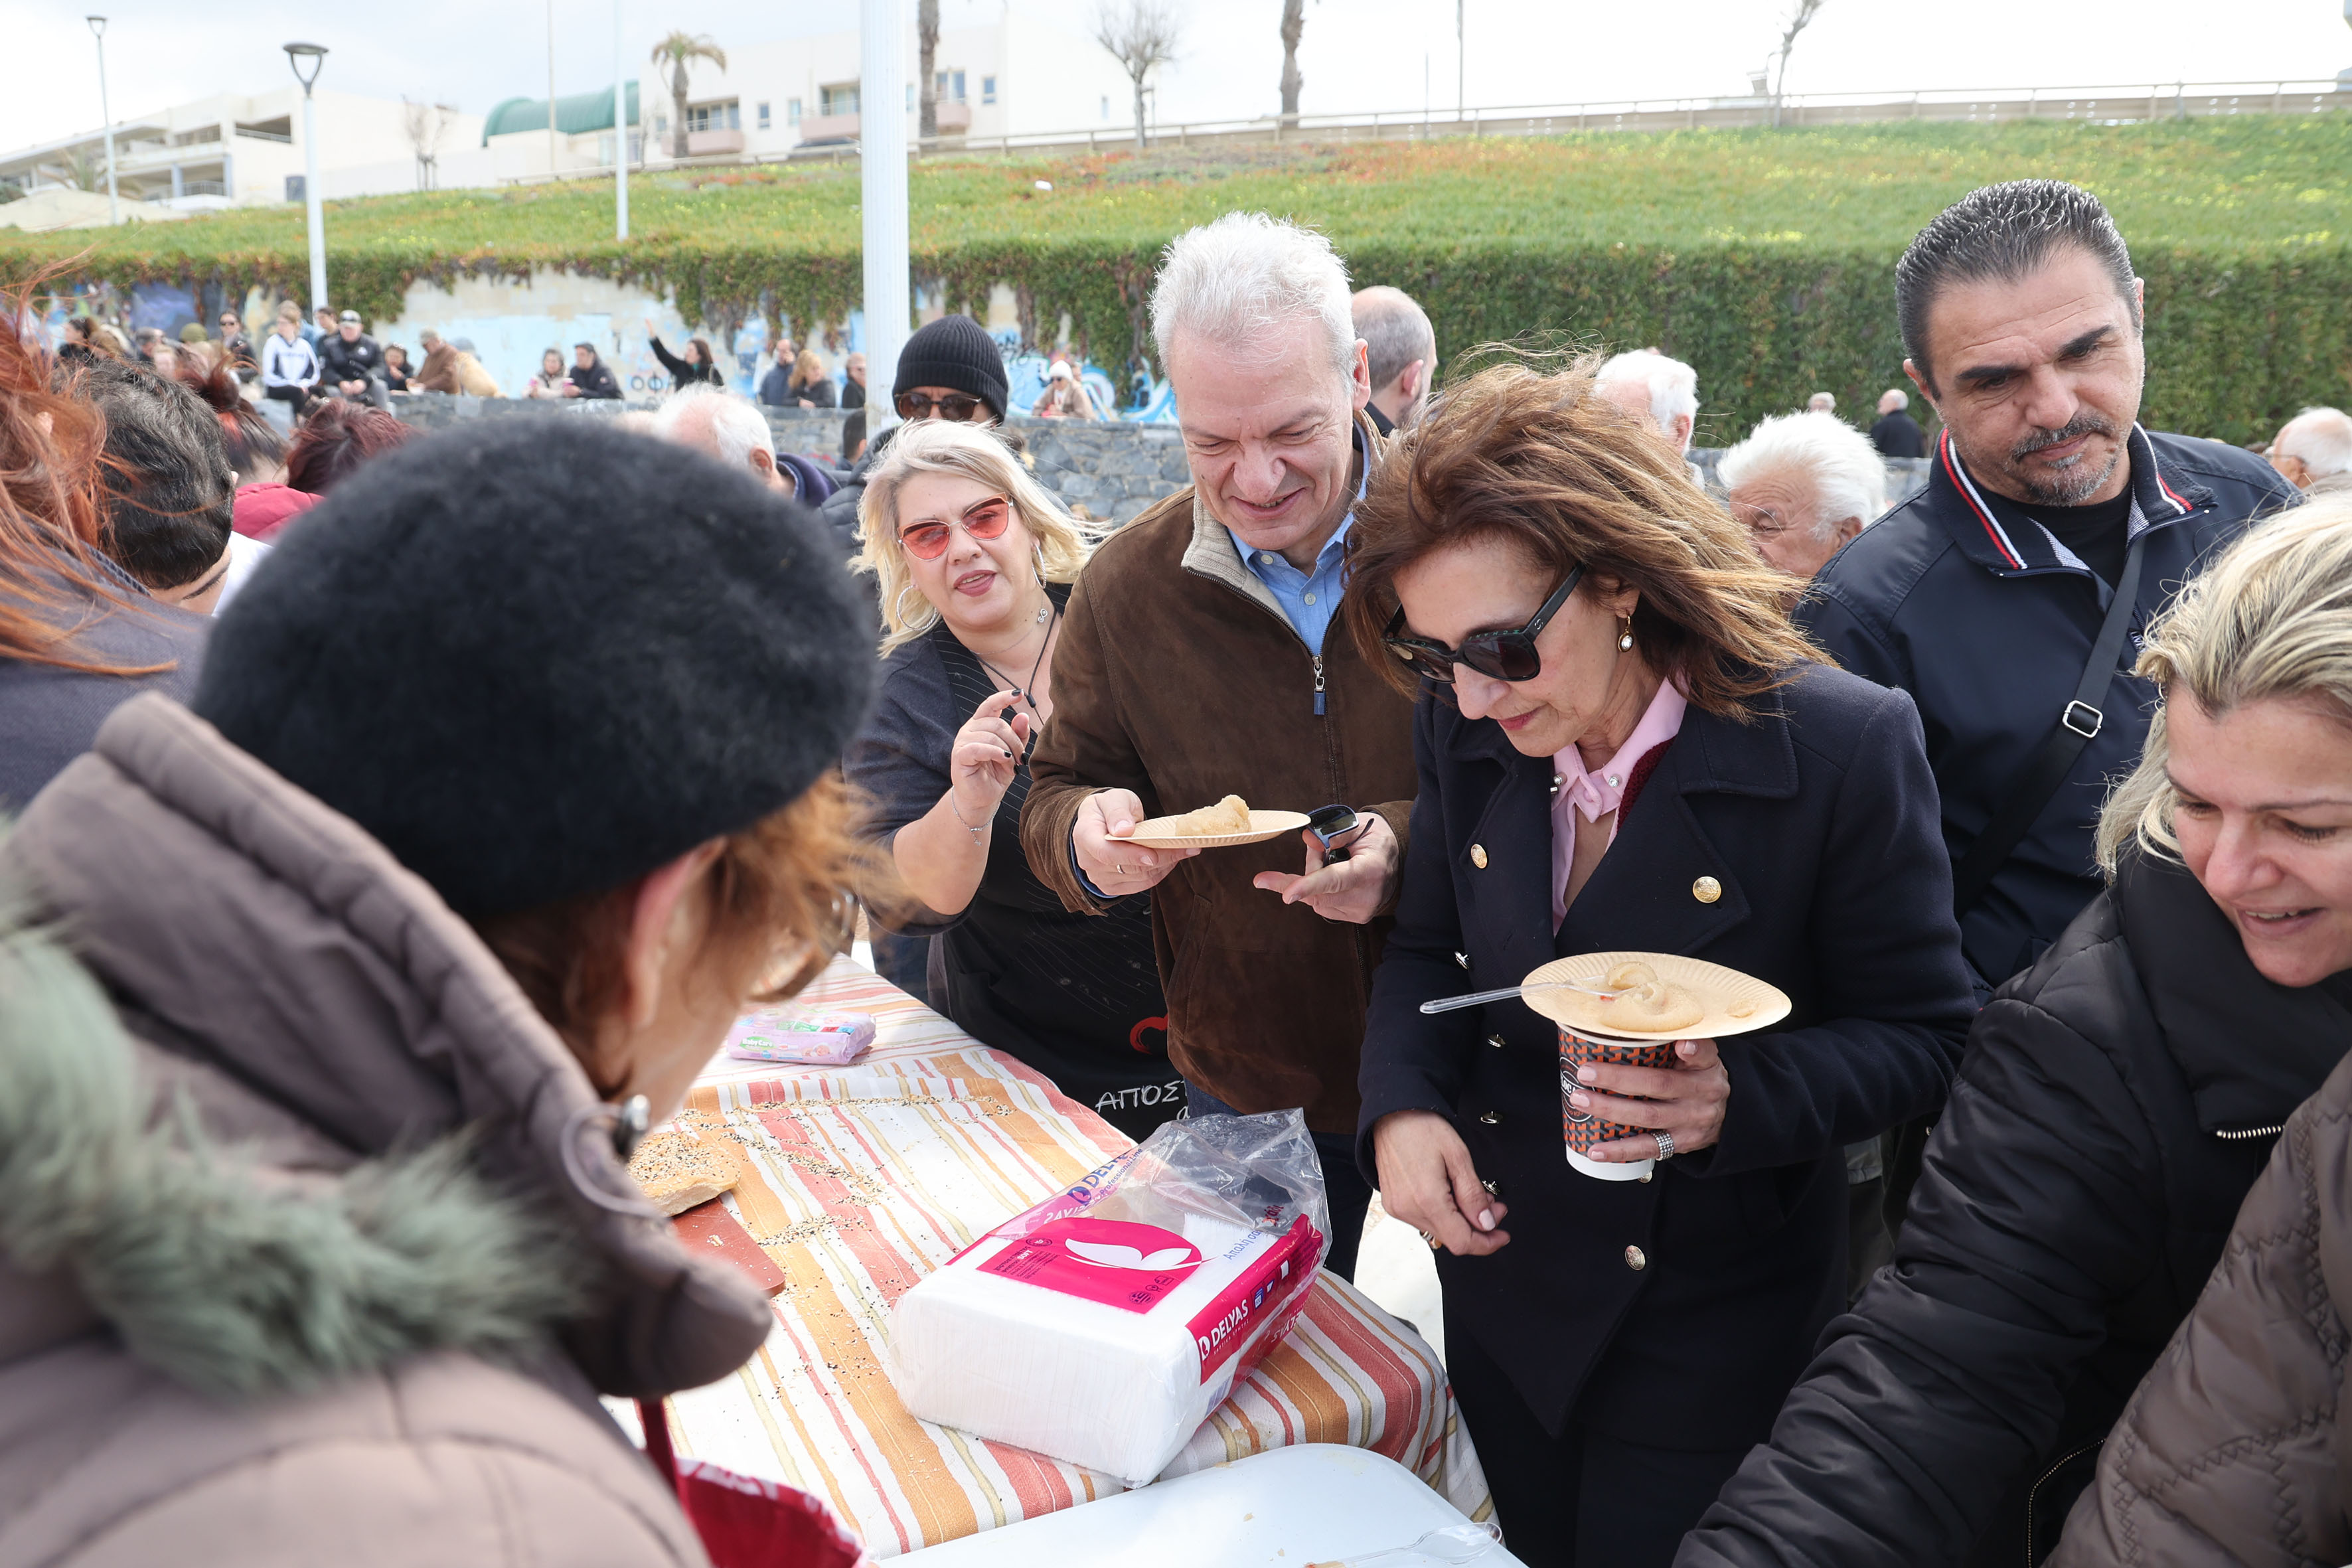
[{"x": 929, "y": 541}]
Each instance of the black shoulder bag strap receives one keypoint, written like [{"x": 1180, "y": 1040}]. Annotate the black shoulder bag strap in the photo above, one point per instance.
[{"x": 2078, "y": 721}]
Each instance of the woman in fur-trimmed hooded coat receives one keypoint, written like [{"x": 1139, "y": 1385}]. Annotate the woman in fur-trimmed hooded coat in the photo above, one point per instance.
[
  {"x": 260, "y": 1303},
  {"x": 316, "y": 1246}
]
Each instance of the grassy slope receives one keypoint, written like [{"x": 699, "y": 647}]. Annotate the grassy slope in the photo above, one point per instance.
[
  {"x": 2217, "y": 182},
  {"x": 1763, "y": 257}
]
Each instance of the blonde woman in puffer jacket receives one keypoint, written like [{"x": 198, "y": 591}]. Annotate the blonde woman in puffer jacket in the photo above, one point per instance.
[{"x": 2233, "y": 1450}]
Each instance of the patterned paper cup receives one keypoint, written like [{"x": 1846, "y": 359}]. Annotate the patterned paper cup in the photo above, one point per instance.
[{"x": 1584, "y": 1129}]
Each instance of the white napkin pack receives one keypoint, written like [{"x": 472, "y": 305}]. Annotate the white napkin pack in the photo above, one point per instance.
[{"x": 1103, "y": 1326}]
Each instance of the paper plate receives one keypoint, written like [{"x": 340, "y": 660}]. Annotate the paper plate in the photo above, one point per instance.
[
  {"x": 1264, "y": 825},
  {"x": 1718, "y": 990}
]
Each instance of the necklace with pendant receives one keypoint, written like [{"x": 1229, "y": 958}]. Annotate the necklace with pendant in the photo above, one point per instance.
[{"x": 1021, "y": 691}]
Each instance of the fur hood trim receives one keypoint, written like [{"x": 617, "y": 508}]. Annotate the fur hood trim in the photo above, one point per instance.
[{"x": 227, "y": 1277}]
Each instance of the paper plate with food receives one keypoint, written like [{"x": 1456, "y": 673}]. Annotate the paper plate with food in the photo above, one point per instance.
[
  {"x": 1652, "y": 996},
  {"x": 1218, "y": 827}
]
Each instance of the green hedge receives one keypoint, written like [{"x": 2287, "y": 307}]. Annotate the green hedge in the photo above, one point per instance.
[
  {"x": 2236, "y": 345},
  {"x": 1764, "y": 259}
]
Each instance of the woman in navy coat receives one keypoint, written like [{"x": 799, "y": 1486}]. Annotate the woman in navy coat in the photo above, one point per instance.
[{"x": 1624, "y": 746}]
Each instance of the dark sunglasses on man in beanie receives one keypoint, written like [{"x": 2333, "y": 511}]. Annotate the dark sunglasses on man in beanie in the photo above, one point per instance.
[{"x": 959, "y": 407}]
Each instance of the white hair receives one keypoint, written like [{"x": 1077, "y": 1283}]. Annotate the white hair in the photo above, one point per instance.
[
  {"x": 1820, "y": 403},
  {"x": 1673, "y": 385},
  {"x": 1235, "y": 280},
  {"x": 713, "y": 421},
  {"x": 1849, "y": 476},
  {"x": 2322, "y": 437},
  {"x": 1895, "y": 395}
]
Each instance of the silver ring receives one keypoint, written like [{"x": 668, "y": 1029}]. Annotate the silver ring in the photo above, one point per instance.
[
  {"x": 1120, "y": 869},
  {"x": 1666, "y": 1144}
]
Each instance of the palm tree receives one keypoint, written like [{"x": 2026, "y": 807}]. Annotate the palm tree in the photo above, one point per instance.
[
  {"x": 679, "y": 52},
  {"x": 85, "y": 170},
  {"x": 926, "y": 40},
  {"x": 1294, "y": 24}
]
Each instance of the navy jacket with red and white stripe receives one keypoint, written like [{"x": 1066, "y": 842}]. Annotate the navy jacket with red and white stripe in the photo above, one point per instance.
[{"x": 1960, "y": 598}]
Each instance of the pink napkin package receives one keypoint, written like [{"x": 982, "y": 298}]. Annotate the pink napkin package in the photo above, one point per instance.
[{"x": 788, "y": 1034}]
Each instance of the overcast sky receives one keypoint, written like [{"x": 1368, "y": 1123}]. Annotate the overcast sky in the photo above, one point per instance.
[{"x": 1357, "y": 55}]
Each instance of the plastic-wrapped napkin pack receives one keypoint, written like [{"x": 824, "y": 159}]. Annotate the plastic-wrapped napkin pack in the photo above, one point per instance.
[
  {"x": 1102, "y": 1326},
  {"x": 784, "y": 1033}
]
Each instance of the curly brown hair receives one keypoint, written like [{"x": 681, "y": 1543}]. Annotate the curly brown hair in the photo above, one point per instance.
[
  {"x": 779, "y": 908},
  {"x": 1566, "y": 477}
]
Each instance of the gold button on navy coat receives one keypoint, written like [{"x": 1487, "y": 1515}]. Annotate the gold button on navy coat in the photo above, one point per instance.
[{"x": 1804, "y": 847}]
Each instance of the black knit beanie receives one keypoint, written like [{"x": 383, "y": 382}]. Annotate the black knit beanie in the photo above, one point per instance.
[
  {"x": 957, "y": 351},
  {"x": 540, "y": 657}
]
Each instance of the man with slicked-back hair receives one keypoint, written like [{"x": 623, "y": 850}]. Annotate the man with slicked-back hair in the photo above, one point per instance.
[{"x": 1982, "y": 595}]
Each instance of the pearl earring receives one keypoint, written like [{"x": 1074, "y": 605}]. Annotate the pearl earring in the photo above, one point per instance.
[{"x": 1625, "y": 639}]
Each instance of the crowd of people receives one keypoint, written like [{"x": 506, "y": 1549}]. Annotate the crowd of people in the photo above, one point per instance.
[{"x": 418, "y": 838}]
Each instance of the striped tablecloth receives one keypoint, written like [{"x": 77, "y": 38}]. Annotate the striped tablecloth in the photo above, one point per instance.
[{"x": 860, "y": 1180}]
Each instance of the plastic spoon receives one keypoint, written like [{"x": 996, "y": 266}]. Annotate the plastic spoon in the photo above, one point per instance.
[{"x": 1480, "y": 998}]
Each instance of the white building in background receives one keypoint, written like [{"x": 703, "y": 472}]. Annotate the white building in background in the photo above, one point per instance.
[
  {"x": 1014, "y": 77},
  {"x": 230, "y": 149}
]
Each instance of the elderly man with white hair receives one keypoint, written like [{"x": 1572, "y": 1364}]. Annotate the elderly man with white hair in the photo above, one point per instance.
[
  {"x": 722, "y": 425},
  {"x": 1199, "y": 659},
  {"x": 1803, "y": 484},
  {"x": 2314, "y": 451},
  {"x": 1664, "y": 390},
  {"x": 1895, "y": 433}
]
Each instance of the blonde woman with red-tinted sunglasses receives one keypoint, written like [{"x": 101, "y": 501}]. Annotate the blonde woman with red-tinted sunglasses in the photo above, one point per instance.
[{"x": 974, "y": 562}]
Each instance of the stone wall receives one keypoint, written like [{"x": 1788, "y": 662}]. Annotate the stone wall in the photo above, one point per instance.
[{"x": 1111, "y": 469}]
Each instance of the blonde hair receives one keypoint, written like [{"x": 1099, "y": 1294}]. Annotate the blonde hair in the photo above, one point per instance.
[
  {"x": 971, "y": 452},
  {"x": 2271, "y": 618},
  {"x": 808, "y": 368}
]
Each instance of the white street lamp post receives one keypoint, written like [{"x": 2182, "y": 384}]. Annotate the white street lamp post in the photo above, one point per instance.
[
  {"x": 314, "y": 56},
  {"x": 114, "y": 202},
  {"x": 882, "y": 159},
  {"x": 620, "y": 131}
]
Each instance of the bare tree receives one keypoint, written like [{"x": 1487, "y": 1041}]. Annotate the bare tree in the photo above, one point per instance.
[
  {"x": 679, "y": 52},
  {"x": 427, "y": 126},
  {"x": 1142, "y": 35},
  {"x": 1799, "y": 20},
  {"x": 1294, "y": 23},
  {"x": 927, "y": 36}
]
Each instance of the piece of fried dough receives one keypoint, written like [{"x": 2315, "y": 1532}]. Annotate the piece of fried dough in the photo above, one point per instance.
[
  {"x": 1230, "y": 815},
  {"x": 679, "y": 1170},
  {"x": 1643, "y": 1003}
]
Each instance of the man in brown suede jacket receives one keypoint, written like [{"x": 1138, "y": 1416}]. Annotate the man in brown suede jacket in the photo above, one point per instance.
[{"x": 1195, "y": 664}]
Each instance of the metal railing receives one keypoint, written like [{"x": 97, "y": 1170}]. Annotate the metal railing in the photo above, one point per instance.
[{"x": 2112, "y": 105}]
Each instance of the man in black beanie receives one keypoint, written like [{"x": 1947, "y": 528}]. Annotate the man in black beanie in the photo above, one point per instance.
[
  {"x": 948, "y": 368},
  {"x": 951, "y": 369}
]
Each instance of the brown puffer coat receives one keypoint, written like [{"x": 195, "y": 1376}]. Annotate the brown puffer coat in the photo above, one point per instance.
[
  {"x": 313, "y": 1246},
  {"x": 2234, "y": 1448}
]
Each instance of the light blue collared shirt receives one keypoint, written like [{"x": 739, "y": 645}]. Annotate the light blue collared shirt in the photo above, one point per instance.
[{"x": 1309, "y": 599}]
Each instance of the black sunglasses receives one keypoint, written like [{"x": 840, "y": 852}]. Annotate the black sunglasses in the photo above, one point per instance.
[
  {"x": 1503, "y": 656},
  {"x": 956, "y": 405}
]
